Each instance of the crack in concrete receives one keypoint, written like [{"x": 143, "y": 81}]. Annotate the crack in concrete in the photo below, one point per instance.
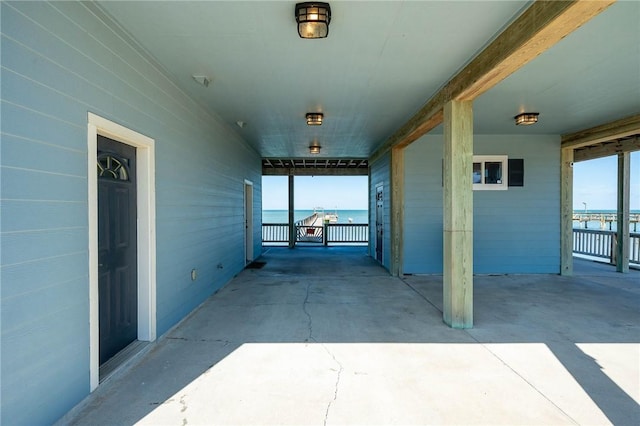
[
  {"x": 336, "y": 386},
  {"x": 183, "y": 409},
  {"x": 183, "y": 403},
  {"x": 312, "y": 339},
  {"x": 186, "y": 339},
  {"x": 310, "y": 320}
]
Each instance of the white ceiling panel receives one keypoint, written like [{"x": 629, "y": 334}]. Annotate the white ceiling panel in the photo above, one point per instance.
[
  {"x": 381, "y": 62},
  {"x": 589, "y": 78}
]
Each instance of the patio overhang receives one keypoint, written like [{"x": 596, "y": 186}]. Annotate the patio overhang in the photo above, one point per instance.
[
  {"x": 315, "y": 167},
  {"x": 619, "y": 138},
  {"x": 612, "y": 138}
]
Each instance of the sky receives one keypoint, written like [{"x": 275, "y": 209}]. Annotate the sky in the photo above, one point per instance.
[
  {"x": 594, "y": 183},
  {"x": 329, "y": 192}
]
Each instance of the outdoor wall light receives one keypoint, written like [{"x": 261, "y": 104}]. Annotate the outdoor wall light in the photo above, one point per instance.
[
  {"x": 314, "y": 149},
  {"x": 526, "y": 118},
  {"x": 314, "y": 118},
  {"x": 313, "y": 19}
]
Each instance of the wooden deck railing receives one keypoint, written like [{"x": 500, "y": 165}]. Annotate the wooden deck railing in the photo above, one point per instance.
[
  {"x": 603, "y": 244},
  {"x": 336, "y": 233}
]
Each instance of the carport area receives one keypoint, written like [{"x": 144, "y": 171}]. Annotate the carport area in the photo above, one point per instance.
[{"x": 322, "y": 335}]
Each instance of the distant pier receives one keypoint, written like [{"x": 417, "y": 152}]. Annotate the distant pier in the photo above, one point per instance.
[
  {"x": 318, "y": 228},
  {"x": 605, "y": 219}
]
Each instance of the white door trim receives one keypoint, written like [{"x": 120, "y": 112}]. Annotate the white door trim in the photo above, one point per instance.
[
  {"x": 248, "y": 220},
  {"x": 145, "y": 158}
]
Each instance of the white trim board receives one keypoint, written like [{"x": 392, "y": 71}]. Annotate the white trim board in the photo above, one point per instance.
[
  {"x": 248, "y": 220},
  {"x": 145, "y": 157}
]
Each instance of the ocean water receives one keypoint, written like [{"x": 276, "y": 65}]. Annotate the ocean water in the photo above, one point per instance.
[{"x": 282, "y": 216}]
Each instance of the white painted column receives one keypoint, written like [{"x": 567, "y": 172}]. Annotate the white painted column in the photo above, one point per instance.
[
  {"x": 624, "y": 177},
  {"x": 566, "y": 212},
  {"x": 458, "y": 214},
  {"x": 292, "y": 225}
]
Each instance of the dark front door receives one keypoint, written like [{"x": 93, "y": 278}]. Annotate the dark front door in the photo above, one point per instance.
[
  {"x": 379, "y": 222},
  {"x": 117, "y": 263}
]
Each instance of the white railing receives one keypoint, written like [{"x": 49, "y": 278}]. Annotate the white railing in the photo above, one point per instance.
[
  {"x": 309, "y": 234},
  {"x": 329, "y": 233},
  {"x": 348, "y": 233},
  {"x": 279, "y": 232},
  {"x": 603, "y": 244},
  {"x": 275, "y": 233}
]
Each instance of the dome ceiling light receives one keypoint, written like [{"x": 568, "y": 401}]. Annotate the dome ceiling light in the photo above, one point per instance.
[
  {"x": 313, "y": 19},
  {"x": 314, "y": 148},
  {"x": 314, "y": 118},
  {"x": 526, "y": 118}
]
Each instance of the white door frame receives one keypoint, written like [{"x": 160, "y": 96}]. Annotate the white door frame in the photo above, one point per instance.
[
  {"x": 146, "y": 202},
  {"x": 379, "y": 188},
  {"x": 248, "y": 220}
]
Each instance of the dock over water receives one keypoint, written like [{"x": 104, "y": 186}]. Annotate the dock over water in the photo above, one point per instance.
[
  {"x": 317, "y": 228},
  {"x": 606, "y": 220}
]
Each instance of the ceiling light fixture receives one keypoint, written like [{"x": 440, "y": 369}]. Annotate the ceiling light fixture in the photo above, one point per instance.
[
  {"x": 314, "y": 118},
  {"x": 314, "y": 148},
  {"x": 313, "y": 19},
  {"x": 526, "y": 118}
]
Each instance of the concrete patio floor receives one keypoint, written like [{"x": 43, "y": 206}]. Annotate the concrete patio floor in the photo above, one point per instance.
[{"x": 326, "y": 336}]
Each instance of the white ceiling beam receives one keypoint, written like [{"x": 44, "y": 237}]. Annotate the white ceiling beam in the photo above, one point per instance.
[{"x": 539, "y": 27}]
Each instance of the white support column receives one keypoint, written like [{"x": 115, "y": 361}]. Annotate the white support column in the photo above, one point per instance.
[
  {"x": 566, "y": 212},
  {"x": 292, "y": 225},
  {"x": 371, "y": 219},
  {"x": 624, "y": 177},
  {"x": 458, "y": 214}
]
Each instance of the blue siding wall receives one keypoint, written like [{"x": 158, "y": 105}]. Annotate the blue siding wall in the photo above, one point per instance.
[
  {"x": 423, "y": 199},
  {"x": 60, "y": 61},
  {"x": 380, "y": 173},
  {"x": 515, "y": 231}
]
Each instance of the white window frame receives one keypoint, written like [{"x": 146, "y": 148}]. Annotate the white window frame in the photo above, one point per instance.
[{"x": 482, "y": 159}]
